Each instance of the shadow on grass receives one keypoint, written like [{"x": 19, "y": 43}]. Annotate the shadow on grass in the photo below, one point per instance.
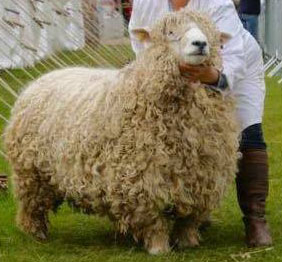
[{"x": 99, "y": 232}]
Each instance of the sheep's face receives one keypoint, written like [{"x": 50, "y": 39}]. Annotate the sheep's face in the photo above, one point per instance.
[
  {"x": 190, "y": 36},
  {"x": 188, "y": 43}
]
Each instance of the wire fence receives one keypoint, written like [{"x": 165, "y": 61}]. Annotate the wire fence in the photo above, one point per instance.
[
  {"x": 271, "y": 37},
  {"x": 38, "y": 36},
  {"x": 270, "y": 28}
]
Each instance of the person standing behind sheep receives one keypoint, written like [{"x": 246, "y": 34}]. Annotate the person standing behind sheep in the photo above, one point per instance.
[
  {"x": 249, "y": 11},
  {"x": 243, "y": 74}
]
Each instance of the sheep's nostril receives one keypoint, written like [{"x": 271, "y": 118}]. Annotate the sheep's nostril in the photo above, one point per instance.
[{"x": 200, "y": 44}]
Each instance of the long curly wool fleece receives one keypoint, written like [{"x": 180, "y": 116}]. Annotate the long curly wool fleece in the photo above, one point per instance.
[{"x": 129, "y": 143}]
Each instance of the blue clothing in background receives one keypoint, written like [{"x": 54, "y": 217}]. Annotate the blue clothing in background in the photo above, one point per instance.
[
  {"x": 250, "y": 7},
  {"x": 250, "y": 23},
  {"x": 249, "y": 12}
]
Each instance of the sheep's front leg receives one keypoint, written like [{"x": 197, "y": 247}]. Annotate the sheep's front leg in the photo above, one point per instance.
[
  {"x": 185, "y": 233},
  {"x": 156, "y": 237}
]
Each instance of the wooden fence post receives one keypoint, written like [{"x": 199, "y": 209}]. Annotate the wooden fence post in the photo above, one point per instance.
[{"x": 91, "y": 22}]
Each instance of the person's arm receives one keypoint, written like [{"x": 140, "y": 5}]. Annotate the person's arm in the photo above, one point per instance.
[
  {"x": 206, "y": 74},
  {"x": 178, "y": 4},
  {"x": 233, "y": 52}
]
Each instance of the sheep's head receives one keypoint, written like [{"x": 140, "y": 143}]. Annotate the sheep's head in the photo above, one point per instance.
[{"x": 189, "y": 35}]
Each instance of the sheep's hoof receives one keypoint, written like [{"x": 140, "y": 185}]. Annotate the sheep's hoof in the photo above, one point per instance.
[
  {"x": 189, "y": 241},
  {"x": 40, "y": 236},
  {"x": 158, "y": 250},
  {"x": 188, "y": 244}
]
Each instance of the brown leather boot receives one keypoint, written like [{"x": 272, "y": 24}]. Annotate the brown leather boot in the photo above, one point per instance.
[{"x": 252, "y": 191}]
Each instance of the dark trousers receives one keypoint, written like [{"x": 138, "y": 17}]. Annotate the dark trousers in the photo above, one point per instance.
[
  {"x": 251, "y": 23},
  {"x": 252, "y": 138}
]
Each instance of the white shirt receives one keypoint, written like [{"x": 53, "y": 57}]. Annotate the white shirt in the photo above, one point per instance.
[{"x": 242, "y": 60}]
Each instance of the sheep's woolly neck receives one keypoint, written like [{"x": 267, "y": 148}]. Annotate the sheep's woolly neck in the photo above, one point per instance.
[{"x": 127, "y": 143}]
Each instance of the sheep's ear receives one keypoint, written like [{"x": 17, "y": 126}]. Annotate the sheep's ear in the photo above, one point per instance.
[
  {"x": 224, "y": 38},
  {"x": 141, "y": 34}
]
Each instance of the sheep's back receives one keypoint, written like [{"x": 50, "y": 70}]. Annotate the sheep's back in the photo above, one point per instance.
[{"x": 56, "y": 111}]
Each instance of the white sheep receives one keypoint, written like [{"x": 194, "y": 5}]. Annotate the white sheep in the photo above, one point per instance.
[{"x": 141, "y": 144}]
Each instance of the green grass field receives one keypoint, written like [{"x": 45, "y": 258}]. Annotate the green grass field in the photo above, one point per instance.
[{"x": 75, "y": 237}]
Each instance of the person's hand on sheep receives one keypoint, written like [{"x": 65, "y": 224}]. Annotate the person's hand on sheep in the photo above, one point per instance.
[{"x": 205, "y": 74}]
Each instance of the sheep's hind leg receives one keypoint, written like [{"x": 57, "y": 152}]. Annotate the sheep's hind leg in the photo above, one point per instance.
[
  {"x": 156, "y": 237},
  {"x": 35, "y": 199},
  {"x": 185, "y": 233}
]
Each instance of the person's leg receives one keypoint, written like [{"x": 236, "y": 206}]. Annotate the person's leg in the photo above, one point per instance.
[
  {"x": 243, "y": 20},
  {"x": 252, "y": 186},
  {"x": 253, "y": 26},
  {"x": 250, "y": 23}
]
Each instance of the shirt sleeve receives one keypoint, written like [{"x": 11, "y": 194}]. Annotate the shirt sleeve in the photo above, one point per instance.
[{"x": 233, "y": 54}]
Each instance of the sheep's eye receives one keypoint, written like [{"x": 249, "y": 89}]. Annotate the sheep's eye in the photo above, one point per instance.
[{"x": 172, "y": 36}]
